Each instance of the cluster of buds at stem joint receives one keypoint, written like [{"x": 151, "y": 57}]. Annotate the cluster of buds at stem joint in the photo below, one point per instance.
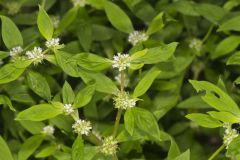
[
  {"x": 13, "y": 7},
  {"x": 48, "y": 130},
  {"x": 196, "y": 44},
  {"x": 230, "y": 134},
  {"x": 82, "y": 127},
  {"x": 68, "y": 109},
  {"x": 121, "y": 61},
  {"x": 124, "y": 101},
  {"x": 137, "y": 37},
  {"x": 80, "y": 3},
  {"x": 109, "y": 146},
  {"x": 15, "y": 51},
  {"x": 53, "y": 43},
  {"x": 36, "y": 55}
]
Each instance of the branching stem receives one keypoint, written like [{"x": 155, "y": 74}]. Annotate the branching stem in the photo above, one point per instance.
[{"x": 217, "y": 152}]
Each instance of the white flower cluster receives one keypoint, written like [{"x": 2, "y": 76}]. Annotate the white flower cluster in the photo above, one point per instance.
[
  {"x": 229, "y": 134},
  {"x": 16, "y": 51},
  {"x": 52, "y": 43},
  {"x": 48, "y": 130},
  {"x": 196, "y": 44},
  {"x": 137, "y": 37},
  {"x": 82, "y": 127},
  {"x": 124, "y": 101},
  {"x": 36, "y": 55},
  {"x": 68, "y": 109},
  {"x": 109, "y": 146},
  {"x": 121, "y": 61},
  {"x": 80, "y": 3}
]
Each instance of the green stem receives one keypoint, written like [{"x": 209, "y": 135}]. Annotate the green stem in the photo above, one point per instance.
[
  {"x": 116, "y": 125},
  {"x": 217, "y": 152},
  {"x": 115, "y": 157},
  {"x": 96, "y": 139},
  {"x": 43, "y": 3},
  {"x": 119, "y": 113},
  {"x": 208, "y": 33}
]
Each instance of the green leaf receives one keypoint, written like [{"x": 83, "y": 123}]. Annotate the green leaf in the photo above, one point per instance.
[
  {"x": 33, "y": 127},
  {"x": 41, "y": 112},
  {"x": 10, "y": 72},
  {"x": 47, "y": 151},
  {"x": 158, "y": 54},
  {"x": 10, "y": 34},
  {"x": 184, "y": 156},
  {"x": 84, "y": 29},
  {"x": 129, "y": 121},
  {"x": 233, "y": 150},
  {"x": 113, "y": 12},
  {"x": 234, "y": 59},
  {"x": 215, "y": 97},
  {"x": 194, "y": 102},
  {"x": 92, "y": 62},
  {"x": 211, "y": 12},
  {"x": 103, "y": 83},
  {"x": 146, "y": 122},
  {"x": 67, "y": 93},
  {"x": 146, "y": 82},
  {"x": 232, "y": 24},
  {"x": 185, "y": 7},
  {"x": 5, "y": 153},
  {"x": 84, "y": 96},
  {"x": 78, "y": 149},
  {"x": 156, "y": 24},
  {"x": 226, "y": 46},
  {"x": 67, "y": 19},
  {"x": 224, "y": 116},
  {"x": 66, "y": 64},
  {"x": 45, "y": 24},
  {"x": 39, "y": 85},
  {"x": 6, "y": 101},
  {"x": 204, "y": 120},
  {"x": 29, "y": 146},
  {"x": 90, "y": 152},
  {"x": 173, "y": 150},
  {"x": 3, "y": 54}
]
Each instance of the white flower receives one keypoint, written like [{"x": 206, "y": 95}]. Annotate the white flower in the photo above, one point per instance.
[
  {"x": 124, "y": 101},
  {"x": 196, "y": 44},
  {"x": 229, "y": 134},
  {"x": 121, "y": 61},
  {"x": 52, "y": 43},
  {"x": 118, "y": 79},
  {"x": 109, "y": 146},
  {"x": 16, "y": 51},
  {"x": 68, "y": 109},
  {"x": 36, "y": 55},
  {"x": 82, "y": 127},
  {"x": 80, "y": 3},
  {"x": 48, "y": 130},
  {"x": 136, "y": 37}
]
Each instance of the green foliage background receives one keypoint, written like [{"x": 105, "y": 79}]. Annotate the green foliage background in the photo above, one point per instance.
[{"x": 188, "y": 40}]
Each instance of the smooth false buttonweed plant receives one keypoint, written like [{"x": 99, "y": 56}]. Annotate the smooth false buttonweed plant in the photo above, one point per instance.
[{"x": 116, "y": 80}]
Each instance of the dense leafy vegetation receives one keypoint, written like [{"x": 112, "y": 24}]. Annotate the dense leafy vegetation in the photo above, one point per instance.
[{"x": 122, "y": 79}]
